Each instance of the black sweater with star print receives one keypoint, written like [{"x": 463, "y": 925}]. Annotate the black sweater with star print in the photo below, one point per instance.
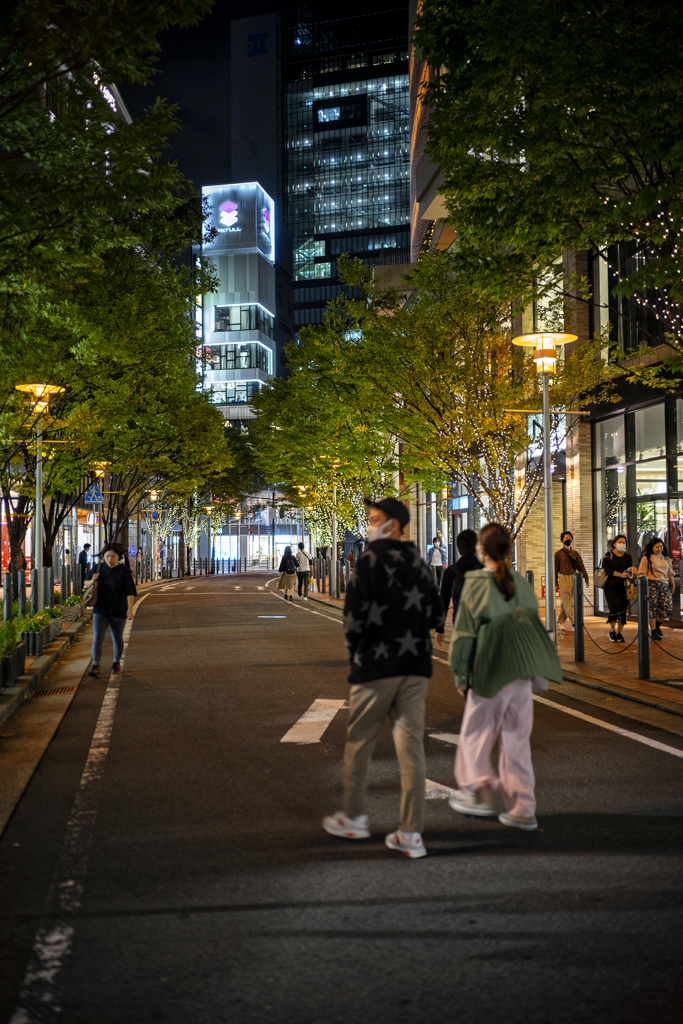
[{"x": 392, "y": 603}]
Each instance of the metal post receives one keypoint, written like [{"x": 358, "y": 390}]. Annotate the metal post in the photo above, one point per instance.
[
  {"x": 578, "y": 617},
  {"x": 46, "y": 588},
  {"x": 333, "y": 559},
  {"x": 38, "y": 523},
  {"x": 643, "y": 628},
  {"x": 550, "y": 623},
  {"x": 34, "y": 592},
  {"x": 346, "y": 572},
  {"x": 337, "y": 577},
  {"x": 6, "y": 596},
  {"x": 21, "y": 592},
  {"x": 530, "y": 576},
  {"x": 64, "y": 585}
]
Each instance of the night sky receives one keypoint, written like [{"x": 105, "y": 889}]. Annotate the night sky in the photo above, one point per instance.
[{"x": 194, "y": 74}]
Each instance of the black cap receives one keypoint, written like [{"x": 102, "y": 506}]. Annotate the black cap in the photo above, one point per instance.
[{"x": 394, "y": 509}]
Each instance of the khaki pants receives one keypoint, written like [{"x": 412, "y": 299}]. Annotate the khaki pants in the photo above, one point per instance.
[
  {"x": 567, "y": 598},
  {"x": 401, "y": 699}
]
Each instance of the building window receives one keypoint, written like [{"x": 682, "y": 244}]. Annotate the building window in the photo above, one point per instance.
[
  {"x": 329, "y": 114},
  {"x": 229, "y": 392},
  {"x": 650, "y": 432},
  {"x": 243, "y": 318},
  {"x": 238, "y": 357}
]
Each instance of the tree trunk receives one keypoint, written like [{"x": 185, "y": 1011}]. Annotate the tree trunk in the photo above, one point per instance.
[{"x": 182, "y": 556}]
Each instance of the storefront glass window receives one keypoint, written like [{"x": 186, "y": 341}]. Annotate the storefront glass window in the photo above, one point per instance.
[
  {"x": 679, "y": 425},
  {"x": 611, "y": 506},
  {"x": 651, "y": 477},
  {"x": 650, "y": 434},
  {"x": 610, "y": 448},
  {"x": 651, "y": 521}
]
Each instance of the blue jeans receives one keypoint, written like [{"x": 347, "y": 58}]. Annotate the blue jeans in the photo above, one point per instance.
[{"x": 100, "y": 621}]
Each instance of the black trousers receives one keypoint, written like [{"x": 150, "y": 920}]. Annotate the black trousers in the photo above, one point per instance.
[{"x": 617, "y": 602}]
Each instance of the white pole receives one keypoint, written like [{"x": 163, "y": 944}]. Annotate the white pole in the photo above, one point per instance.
[
  {"x": 549, "y": 528},
  {"x": 38, "y": 517},
  {"x": 333, "y": 560}
]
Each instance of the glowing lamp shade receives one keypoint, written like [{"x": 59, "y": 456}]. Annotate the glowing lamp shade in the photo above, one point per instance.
[
  {"x": 545, "y": 345},
  {"x": 40, "y": 394},
  {"x": 153, "y": 495}
]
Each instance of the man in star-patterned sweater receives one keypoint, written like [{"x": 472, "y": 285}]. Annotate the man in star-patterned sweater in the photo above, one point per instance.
[{"x": 392, "y": 604}]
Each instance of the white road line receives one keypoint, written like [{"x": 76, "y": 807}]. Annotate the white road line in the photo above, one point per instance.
[
  {"x": 314, "y": 722},
  {"x": 446, "y": 737},
  {"x": 310, "y": 610},
  {"x": 39, "y": 1001},
  {"x": 435, "y": 791},
  {"x": 612, "y": 728}
]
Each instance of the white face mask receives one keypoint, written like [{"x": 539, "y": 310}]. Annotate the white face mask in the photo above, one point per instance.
[
  {"x": 380, "y": 532},
  {"x": 620, "y": 546}
]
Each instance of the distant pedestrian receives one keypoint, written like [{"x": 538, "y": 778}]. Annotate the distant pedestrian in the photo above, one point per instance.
[
  {"x": 391, "y": 605},
  {"x": 568, "y": 563},
  {"x": 303, "y": 570},
  {"x": 499, "y": 653},
  {"x": 657, "y": 566},
  {"x": 287, "y": 572},
  {"x": 437, "y": 559},
  {"x": 113, "y": 605},
  {"x": 618, "y": 566},
  {"x": 454, "y": 576},
  {"x": 84, "y": 562}
]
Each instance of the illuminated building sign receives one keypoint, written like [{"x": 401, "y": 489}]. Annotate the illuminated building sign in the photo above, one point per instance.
[{"x": 242, "y": 218}]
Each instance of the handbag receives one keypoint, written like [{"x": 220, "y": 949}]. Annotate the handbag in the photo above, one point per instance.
[
  {"x": 631, "y": 590},
  {"x": 90, "y": 599},
  {"x": 599, "y": 578}
]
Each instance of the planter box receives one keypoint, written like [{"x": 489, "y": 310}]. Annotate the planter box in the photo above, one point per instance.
[
  {"x": 12, "y": 666},
  {"x": 35, "y": 642},
  {"x": 55, "y": 628},
  {"x": 71, "y": 612}
]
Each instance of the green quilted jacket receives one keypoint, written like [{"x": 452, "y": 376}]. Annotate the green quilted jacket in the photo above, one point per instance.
[{"x": 495, "y": 641}]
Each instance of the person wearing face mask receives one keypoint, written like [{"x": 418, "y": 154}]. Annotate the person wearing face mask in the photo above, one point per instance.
[
  {"x": 567, "y": 564},
  {"x": 114, "y": 602},
  {"x": 436, "y": 559},
  {"x": 392, "y": 603},
  {"x": 656, "y": 566},
  {"x": 617, "y": 565}
]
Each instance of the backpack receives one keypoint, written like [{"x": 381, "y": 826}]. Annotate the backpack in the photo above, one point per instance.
[{"x": 290, "y": 565}]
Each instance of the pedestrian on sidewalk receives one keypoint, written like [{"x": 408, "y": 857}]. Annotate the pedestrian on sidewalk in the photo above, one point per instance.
[
  {"x": 391, "y": 605},
  {"x": 83, "y": 560},
  {"x": 436, "y": 559},
  {"x": 113, "y": 605},
  {"x": 568, "y": 563},
  {"x": 287, "y": 572},
  {"x": 657, "y": 566},
  {"x": 618, "y": 567},
  {"x": 499, "y": 653},
  {"x": 303, "y": 570},
  {"x": 466, "y": 543}
]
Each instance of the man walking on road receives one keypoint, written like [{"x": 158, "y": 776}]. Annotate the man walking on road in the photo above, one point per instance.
[
  {"x": 391, "y": 605},
  {"x": 83, "y": 560},
  {"x": 303, "y": 569}
]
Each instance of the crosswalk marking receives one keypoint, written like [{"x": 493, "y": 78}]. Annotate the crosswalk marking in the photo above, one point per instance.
[
  {"x": 437, "y": 791},
  {"x": 446, "y": 737},
  {"x": 314, "y": 722}
]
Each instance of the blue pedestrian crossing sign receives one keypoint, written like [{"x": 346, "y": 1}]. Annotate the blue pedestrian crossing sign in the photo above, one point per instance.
[{"x": 94, "y": 496}]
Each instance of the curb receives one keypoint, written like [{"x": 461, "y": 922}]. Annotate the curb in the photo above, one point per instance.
[
  {"x": 14, "y": 696},
  {"x": 619, "y": 691},
  {"x": 320, "y": 600}
]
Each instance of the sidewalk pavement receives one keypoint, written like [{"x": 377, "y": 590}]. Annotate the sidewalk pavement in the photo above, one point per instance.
[{"x": 612, "y": 668}]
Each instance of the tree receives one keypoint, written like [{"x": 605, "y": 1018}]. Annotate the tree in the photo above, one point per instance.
[
  {"x": 442, "y": 376},
  {"x": 560, "y": 126}
]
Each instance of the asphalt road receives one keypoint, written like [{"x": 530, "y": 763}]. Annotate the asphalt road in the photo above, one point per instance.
[{"x": 185, "y": 878}]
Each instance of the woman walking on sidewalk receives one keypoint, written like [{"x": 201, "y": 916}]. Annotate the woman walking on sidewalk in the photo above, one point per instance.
[
  {"x": 499, "y": 653},
  {"x": 114, "y": 603},
  {"x": 618, "y": 566},
  {"x": 288, "y": 574},
  {"x": 656, "y": 565}
]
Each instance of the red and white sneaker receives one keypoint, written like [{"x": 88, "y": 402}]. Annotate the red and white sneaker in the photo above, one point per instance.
[
  {"x": 409, "y": 843},
  {"x": 348, "y": 828}
]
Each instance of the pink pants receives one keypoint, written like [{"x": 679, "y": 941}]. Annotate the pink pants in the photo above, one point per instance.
[{"x": 510, "y": 716}]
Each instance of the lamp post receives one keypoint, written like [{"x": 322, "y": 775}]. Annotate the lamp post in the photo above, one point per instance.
[
  {"x": 153, "y": 498},
  {"x": 100, "y": 469},
  {"x": 209, "y": 509},
  {"x": 545, "y": 345},
  {"x": 40, "y": 394}
]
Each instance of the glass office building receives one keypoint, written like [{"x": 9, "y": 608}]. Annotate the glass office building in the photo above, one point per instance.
[{"x": 345, "y": 145}]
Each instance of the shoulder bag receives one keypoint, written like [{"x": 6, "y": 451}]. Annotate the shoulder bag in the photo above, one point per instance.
[
  {"x": 600, "y": 577},
  {"x": 90, "y": 595}
]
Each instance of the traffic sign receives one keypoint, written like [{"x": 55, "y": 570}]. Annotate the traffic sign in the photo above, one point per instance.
[
  {"x": 94, "y": 496},
  {"x": 155, "y": 514}
]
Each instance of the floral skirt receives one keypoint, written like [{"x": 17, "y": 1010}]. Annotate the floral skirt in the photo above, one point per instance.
[{"x": 661, "y": 601}]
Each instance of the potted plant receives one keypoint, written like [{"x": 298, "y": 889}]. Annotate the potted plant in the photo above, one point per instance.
[
  {"x": 12, "y": 654},
  {"x": 31, "y": 634},
  {"x": 55, "y": 622},
  {"x": 71, "y": 608}
]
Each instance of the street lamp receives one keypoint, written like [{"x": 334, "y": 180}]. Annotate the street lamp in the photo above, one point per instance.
[
  {"x": 155, "y": 515},
  {"x": 545, "y": 345},
  {"x": 40, "y": 394},
  {"x": 100, "y": 469}
]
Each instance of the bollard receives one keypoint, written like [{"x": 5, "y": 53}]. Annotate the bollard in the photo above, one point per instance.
[
  {"x": 530, "y": 576},
  {"x": 34, "y": 592},
  {"x": 68, "y": 582},
  {"x": 337, "y": 577},
  {"x": 578, "y": 618},
  {"x": 7, "y": 597},
  {"x": 63, "y": 586},
  {"x": 21, "y": 593},
  {"x": 346, "y": 573},
  {"x": 47, "y": 589},
  {"x": 643, "y": 628}
]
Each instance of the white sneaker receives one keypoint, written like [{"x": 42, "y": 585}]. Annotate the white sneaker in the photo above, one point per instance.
[
  {"x": 526, "y": 824},
  {"x": 409, "y": 843},
  {"x": 465, "y": 804},
  {"x": 348, "y": 828}
]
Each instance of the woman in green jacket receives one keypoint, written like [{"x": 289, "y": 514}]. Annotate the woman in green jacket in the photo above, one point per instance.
[{"x": 500, "y": 652}]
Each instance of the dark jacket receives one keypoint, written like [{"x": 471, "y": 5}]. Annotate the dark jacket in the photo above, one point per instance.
[
  {"x": 467, "y": 563},
  {"x": 446, "y": 588},
  {"x": 391, "y": 605},
  {"x": 612, "y": 563},
  {"x": 114, "y": 587}
]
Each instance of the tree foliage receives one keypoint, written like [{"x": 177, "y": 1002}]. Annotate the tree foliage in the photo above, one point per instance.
[{"x": 560, "y": 126}]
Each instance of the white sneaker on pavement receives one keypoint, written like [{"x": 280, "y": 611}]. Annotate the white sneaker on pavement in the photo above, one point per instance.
[
  {"x": 348, "y": 828},
  {"x": 409, "y": 843},
  {"x": 526, "y": 824},
  {"x": 465, "y": 804}
]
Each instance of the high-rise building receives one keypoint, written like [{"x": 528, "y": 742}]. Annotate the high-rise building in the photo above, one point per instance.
[{"x": 320, "y": 117}]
